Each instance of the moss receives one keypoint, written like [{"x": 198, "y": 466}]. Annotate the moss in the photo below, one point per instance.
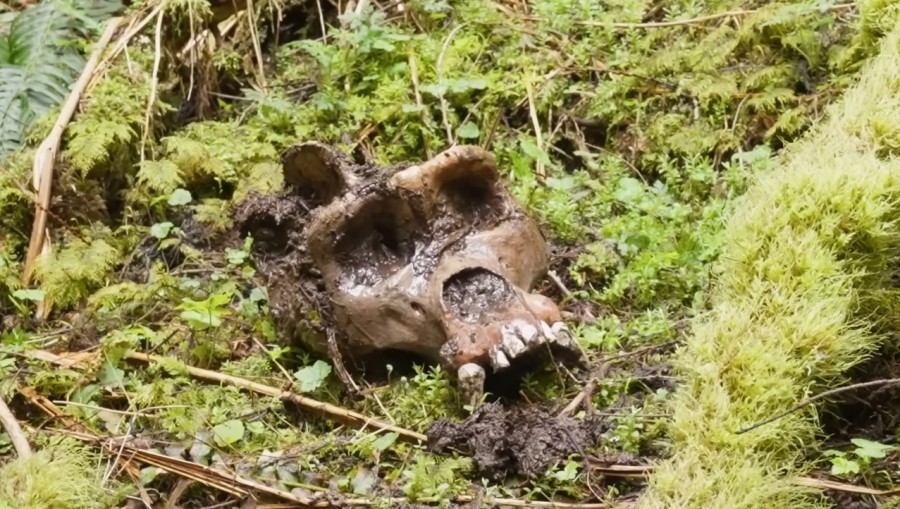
[
  {"x": 62, "y": 475},
  {"x": 809, "y": 251}
]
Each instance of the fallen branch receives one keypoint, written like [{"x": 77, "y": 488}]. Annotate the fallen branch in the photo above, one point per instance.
[
  {"x": 45, "y": 155},
  {"x": 16, "y": 435},
  {"x": 818, "y": 397},
  {"x": 333, "y": 412}
]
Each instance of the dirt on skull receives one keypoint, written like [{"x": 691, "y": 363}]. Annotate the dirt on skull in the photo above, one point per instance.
[
  {"x": 436, "y": 260},
  {"x": 521, "y": 441}
]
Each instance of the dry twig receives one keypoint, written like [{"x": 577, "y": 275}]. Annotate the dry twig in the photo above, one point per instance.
[
  {"x": 532, "y": 110},
  {"x": 45, "y": 155},
  {"x": 818, "y": 397},
  {"x": 426, "y": 119},
  {"x": 16, "y": 435}
]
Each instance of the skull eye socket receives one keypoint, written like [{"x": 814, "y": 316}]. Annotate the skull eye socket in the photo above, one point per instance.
[
  {"x": 475, "y": 199},
  {"x": 378, "y": 239}
]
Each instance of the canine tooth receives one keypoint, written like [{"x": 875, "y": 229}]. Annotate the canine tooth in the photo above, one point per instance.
[
  {"x": 499, "y": 360},
  {"x": 529, "y": 333},
  {"x": 471, "y": 382},
  {"x": 562, "y": 333},
  {"x": 548, "y": 332},
  {"x": 511, "y": 343}
]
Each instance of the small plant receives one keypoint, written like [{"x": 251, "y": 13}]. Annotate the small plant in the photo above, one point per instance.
[{"x": 859, "y": 459}]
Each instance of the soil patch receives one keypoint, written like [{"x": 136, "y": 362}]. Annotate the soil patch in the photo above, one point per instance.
[{"x": 521, "y": 441}]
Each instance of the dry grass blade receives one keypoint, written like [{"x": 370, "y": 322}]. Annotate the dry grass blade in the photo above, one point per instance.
[
  {"x": 45, "y": 155},
  {"x": 847, "y": 488}
]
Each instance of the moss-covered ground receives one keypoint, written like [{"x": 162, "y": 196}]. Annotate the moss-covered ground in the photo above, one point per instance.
[{"x": 718, "y": 180}]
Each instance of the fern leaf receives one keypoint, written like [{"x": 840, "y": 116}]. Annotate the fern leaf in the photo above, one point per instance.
[
  {"x": 161, "y": 176},
  {"x": 37, "y": 67}
]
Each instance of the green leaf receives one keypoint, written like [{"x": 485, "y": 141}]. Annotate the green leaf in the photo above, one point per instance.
[
  {"x": 236, "y": 256},
  {"x": 36, "y": 295},
  {"x": 567, "y": 474},
  {"x": 180, "y": 197},
  {"x": 629, "y": 190},
  {"x": 148, "y": 474},
  {"x": 256, "y": 427},
  {"x": 312, "y": 377},
  {"x": 161, "y": 230},
  {"x": 110, "y": 375},
  {"x": 869, "y": 449},
  {"x": 385, "y": 441},
  {"x": 228, "y": 432},
  {"x": 363, "y": 481},
  {"x": 258, "y": 295},
  {"x": 201, "y": 320},
  {"x": 843, "y": 466},
  {"x": 468, "y": 130}
]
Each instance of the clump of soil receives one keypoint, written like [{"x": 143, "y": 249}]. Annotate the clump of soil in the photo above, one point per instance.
[
  {"x": 521, "y": 441},
  {"x": 296, "y": 294}
]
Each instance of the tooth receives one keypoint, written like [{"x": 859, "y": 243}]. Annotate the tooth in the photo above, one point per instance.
[
  {"x": 512, "y": 344},
  {"x": 499, "y": 360},
  {"x": 529, "y": 333},
  {"x": 548, "y": 332},
  {"x": 563, "y": 336},
  {"x": 471, "y": 382}
]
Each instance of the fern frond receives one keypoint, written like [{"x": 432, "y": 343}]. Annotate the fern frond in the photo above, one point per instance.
[
  {"x": 37, "y": 67},
  {"x": 89, "y": 141},
  {"x": 160, "y": 176},
  {"x": 73, "y": 272}
]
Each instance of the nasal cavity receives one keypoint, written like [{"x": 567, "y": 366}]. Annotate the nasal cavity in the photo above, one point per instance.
[{"x": 472, "y": 294}]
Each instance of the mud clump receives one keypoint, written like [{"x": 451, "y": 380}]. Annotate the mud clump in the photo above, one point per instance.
[
  {"x": 299, "y": 305},
  {"x": 520, "y": 441}
]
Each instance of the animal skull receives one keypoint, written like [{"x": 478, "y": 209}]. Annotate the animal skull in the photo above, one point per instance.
[{"x": 435, "y": 259}]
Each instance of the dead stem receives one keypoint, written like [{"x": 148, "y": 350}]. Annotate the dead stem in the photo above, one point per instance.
[
  {"x": 45, "y": 155},
  {"x": 817, "y": 397},
  {"x": 16, "y": 435}
]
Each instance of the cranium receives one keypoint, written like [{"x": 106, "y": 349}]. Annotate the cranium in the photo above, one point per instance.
[{"x": 435, "y": 259}]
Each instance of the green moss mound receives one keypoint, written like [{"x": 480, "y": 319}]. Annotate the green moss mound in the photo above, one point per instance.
[
  {"x": 60, "y": 476},
  {"x": 804, "y": 293}
]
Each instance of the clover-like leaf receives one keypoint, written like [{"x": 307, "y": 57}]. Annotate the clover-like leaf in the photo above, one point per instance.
[
  {"x": 312, "y": 377},
  {"x": 180, "y": 197},
  {"x": 228, "y": 432}
]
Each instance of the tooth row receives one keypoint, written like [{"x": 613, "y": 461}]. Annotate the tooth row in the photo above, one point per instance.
[{"x": 520, "y": 337}]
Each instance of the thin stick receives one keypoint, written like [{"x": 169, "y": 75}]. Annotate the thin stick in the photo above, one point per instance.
[
  {"x": 154, "y": 81},
  {"x": 445, "y": 106},
  {"x": 585, "y": 393},
  {"x": 331, "y": 411},
  {"x": 817, "y": 397},
  {"x": 45, "y": 155},
  {"x": 322, "y": 21},
  {"x": 839, "y": 486},
  {"x": 122, "y": 42},
  {"x": 257, "y": 48},
  {"x": 16, "y": 435},
  {"x": 559, "y": 284},
  {"x": 414, "y": 73},
  {"x": 532, "y": 110}
]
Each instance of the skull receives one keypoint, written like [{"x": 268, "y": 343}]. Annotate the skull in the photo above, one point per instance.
[{"x": 435, "y": 259}]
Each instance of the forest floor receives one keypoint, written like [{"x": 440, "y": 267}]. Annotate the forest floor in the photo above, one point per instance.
[{"x": 717, "y": 183}]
